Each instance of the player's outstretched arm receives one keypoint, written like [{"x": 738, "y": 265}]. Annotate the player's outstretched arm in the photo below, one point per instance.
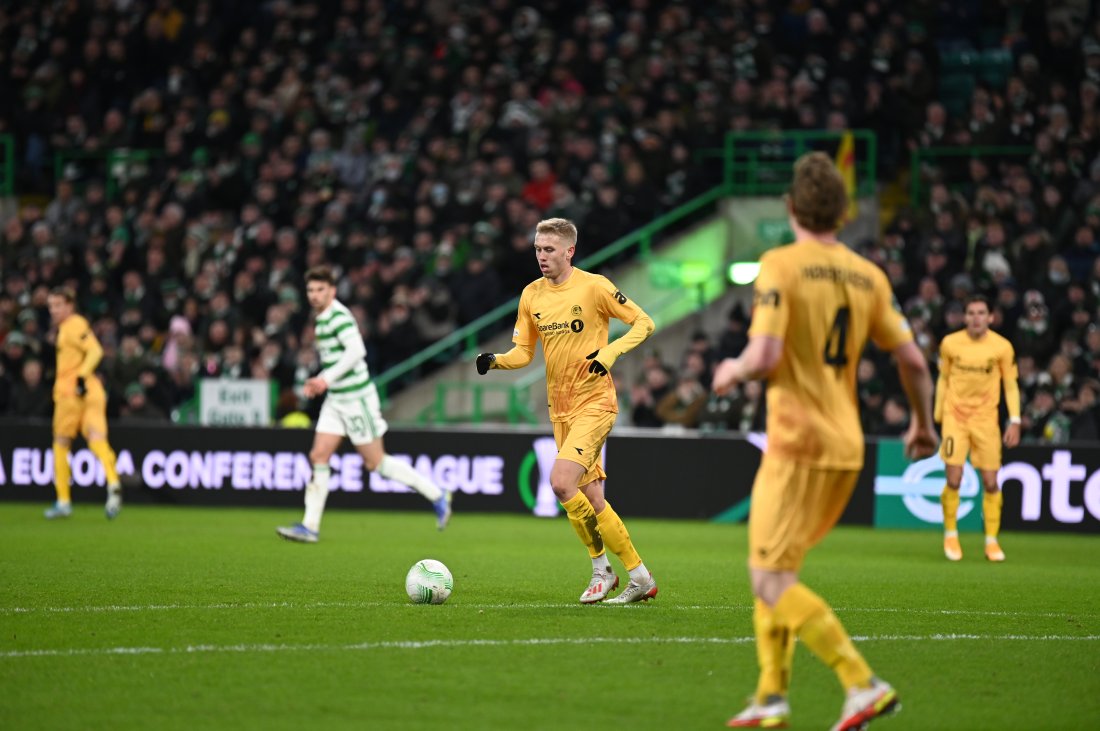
[
  {"x": 921, "y": 439},
  {"x": 757, "y": 360},
  {"x": 518, "y": 357}
]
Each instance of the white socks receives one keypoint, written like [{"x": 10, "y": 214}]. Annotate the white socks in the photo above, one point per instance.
[
  {"x": 601, "y": 563},
  {"x": 395, "y": 469},
  {"x": 316, "y": 494},
  {"x": 390, "y": 468},
  {"x": 639, "y": 574}
]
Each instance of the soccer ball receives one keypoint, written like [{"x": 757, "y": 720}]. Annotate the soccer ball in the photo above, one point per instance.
[{"x": 429, "y": 582}]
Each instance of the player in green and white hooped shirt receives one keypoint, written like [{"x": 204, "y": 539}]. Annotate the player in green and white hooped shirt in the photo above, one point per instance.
[{"x": 351, "y": 409}]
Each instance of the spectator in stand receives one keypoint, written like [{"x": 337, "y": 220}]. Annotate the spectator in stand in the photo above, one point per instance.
[
  {"x": 31, "y": 396},
  {"x": 683, "y": 404},
  {"x": 1043, "y": 421}
]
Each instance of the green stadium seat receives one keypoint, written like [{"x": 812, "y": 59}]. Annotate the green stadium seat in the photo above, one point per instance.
[
  {"x": 958, "y": 61},
  {"x": 956, "y": 90},
  {"x": 995, "y": 66}
]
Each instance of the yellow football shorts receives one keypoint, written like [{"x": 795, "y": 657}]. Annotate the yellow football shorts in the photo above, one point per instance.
[
  {"x": 793, "y": 507},
  {"x": 581, "y": 440},
  {"x": 73, "y": 415},
  {"x": 981, "y": 439}
]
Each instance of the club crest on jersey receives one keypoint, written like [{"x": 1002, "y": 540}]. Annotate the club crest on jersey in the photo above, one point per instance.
[{"x": 576, "y": 311}]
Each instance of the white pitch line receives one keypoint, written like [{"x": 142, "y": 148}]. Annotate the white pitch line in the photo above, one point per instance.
[
  {"x": 522, "y": 642},
  {"x": 96, "y": 609}
]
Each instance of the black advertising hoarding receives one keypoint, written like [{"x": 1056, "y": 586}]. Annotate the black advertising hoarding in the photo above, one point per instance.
[
  {"x": 488, "y": 470},
  {"x": 651, "y": 474}
]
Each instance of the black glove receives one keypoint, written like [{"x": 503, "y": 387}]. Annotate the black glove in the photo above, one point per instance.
[
  {"x": 81, "y": 387},
  {"x": 484, "y": 363},
  {"x": 596, "y": 366}
]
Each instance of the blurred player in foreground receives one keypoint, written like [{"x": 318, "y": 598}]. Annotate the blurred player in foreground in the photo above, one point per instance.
[
  {"x": 568, "y": 310},
  {"x": 816, "y": 304}
]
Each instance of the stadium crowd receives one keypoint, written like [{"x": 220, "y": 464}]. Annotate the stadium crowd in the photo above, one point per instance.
[{"x": 181, "y": 164}]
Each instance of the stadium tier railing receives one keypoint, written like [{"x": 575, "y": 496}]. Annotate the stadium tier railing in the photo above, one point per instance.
[
  {"x": 759, "y": 163},
  {"x": 115, "y": 166}
]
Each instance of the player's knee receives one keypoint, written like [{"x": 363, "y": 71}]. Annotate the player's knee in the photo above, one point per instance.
[
  {"x": 319, "y": 456},
  {"x": 563, "y": 484},
  {"x": 372, "y": 463},
  {"x": 770, "y": 585}
]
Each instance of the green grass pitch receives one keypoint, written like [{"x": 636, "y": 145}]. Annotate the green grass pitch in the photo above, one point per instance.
[{"x": 189, "y": 618}]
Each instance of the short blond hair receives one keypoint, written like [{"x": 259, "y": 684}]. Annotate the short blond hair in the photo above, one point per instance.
[
  {"x": 563, "y": 228},
  {"x": 818, "y": 195}
]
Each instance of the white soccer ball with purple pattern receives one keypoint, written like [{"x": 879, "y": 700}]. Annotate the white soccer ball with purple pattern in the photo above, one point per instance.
[{"x": 429, "y": 582}]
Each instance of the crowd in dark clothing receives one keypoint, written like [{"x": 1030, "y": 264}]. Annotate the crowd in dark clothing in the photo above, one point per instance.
[{"x": 182, "y": 164}]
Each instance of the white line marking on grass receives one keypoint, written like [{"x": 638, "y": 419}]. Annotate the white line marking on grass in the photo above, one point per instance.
[
  {"x": 499, "y": 606},
  {"x": 527, "y": 642}
]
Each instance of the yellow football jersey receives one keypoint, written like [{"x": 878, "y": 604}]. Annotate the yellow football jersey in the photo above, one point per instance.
[
  {"x": 823, "y": 301},
  {"x": 971, "y": 374},
  {"x": 570, "y": 319},
  {"x": 74, "y": 339}
]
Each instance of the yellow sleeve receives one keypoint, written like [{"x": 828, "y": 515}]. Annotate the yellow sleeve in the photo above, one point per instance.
[
  {"x": 941, "y": 382},
  {"x": 1009, "y": 379},
  {"x": 770, "y": 300},
  {"x": 524, "y": 332},
  {"x": 517, "y": 357},
  {"x": 615, "y": 304},
  {"x": 889, "y": 329},
  {"x": 86, "y": 342}
]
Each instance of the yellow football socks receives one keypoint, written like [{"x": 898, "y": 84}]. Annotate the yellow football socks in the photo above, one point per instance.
[
  {"x": 774, "y": 652},
  {"x": 617, "y": 539},
  {"x": 810, "y": 617},
  {"x": 583, "y": 518},
  {"x": 991, "y": 511},
  {"x": 950, "y": 500},
  {"x": 101, "y": 449},
  {"x": 61, "y": 472}
]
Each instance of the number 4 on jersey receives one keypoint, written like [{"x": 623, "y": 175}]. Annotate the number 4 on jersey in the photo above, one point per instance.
[{"x": 836, "y": 352}]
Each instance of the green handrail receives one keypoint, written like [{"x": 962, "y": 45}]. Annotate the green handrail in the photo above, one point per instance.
[
  {"x": 759, "y": 163},
  {"x": 922, "y": 154},
  {"x": 7, "y": 178},
  {"x": 467, "y": 336},
  {"x": 111, "y": 158}
]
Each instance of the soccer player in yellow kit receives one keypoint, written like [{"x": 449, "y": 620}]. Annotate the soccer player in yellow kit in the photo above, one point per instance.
[
  {"x": 974, "y": 363},
  {"x": 568, "y": 310},
  {"x": 816, "y": 304},
  {"x": 80, "y": 403}
]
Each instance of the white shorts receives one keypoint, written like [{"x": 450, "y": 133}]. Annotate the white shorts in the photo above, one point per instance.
[{"x": 358, "y": 417}]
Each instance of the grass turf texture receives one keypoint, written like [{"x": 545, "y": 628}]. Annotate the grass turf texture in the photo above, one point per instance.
[{"x": 183, "y": 618}]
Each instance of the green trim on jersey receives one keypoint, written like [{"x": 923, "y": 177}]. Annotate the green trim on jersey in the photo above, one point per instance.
[
  {"x": 331, "y": 334},
  {"x": 352, "y": 387}
]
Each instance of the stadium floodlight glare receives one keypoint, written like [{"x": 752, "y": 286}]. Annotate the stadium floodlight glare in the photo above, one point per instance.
[{"x": 743, "y": 272}]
